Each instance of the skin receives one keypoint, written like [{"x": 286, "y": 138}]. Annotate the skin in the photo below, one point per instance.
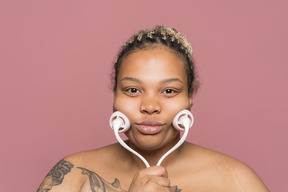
[{"x": 152, "y": 86}]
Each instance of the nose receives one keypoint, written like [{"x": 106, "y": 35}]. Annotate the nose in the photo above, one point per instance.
[{"x": 150, "y": 105}]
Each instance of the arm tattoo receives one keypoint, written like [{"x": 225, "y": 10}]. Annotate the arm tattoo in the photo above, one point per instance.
[
  {"x": 55, "y": 176},
  {"x": 97, "y": 183}
]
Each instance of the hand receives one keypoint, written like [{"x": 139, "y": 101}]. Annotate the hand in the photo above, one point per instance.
[{"x": 150, "y": 179}]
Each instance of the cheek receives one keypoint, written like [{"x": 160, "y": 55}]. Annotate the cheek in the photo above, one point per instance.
[
  {"x": 176, "y": 104},
  {"x": 125, "y": 105},
  {"x": 171, "y": 108},
  {"x": 131, "y": 107}
]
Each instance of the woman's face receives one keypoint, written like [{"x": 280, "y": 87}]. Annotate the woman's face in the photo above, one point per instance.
[{"x": 151, "y": 90}]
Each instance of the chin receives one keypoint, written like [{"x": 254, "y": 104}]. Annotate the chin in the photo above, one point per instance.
[
  {"x": 150, "y": 147},
  {"x": 152, "y": 142}
]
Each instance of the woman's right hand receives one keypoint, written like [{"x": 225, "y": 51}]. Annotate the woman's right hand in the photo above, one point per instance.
[{"x": 150, "y": 179}]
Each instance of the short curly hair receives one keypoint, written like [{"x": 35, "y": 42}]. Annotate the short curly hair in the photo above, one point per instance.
[{"x": 159, "y": 36}]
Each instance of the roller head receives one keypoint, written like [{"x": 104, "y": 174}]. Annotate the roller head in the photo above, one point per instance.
[
  {"x": 118, "y": 118},
  {"x": 182, "y": 117}
]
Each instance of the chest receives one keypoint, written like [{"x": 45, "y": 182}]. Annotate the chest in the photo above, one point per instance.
[
  {"x": 119, "y": 181},
  {"x": 108, "y": 181}
]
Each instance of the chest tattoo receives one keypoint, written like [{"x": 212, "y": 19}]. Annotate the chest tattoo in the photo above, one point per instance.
[{"x": 98, "y": 184}]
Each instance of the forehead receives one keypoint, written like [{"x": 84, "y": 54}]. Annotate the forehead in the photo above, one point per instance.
[{"x": 153, "y": 64}]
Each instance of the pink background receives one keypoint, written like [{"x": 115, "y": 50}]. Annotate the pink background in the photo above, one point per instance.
[{"x": 55, "y": 62}]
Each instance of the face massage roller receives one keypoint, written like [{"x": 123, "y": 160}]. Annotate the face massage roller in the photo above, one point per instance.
[{"x": 183, "y": 121}]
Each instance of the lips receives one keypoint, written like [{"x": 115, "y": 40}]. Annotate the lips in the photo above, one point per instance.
[{"x": 149, "y": 127}]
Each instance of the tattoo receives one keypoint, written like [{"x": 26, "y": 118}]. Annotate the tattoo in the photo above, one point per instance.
[
  {"x": 97, "y": 183},
  {"x": 55, "y": 176},
  {"x": 175, "y": 189}
]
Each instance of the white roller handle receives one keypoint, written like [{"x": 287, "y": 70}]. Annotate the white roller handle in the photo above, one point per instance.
[
  {"x": 183, "y": 118},
  {"x": 119, "y": 120},
  {"x": 182, "y": 121}
]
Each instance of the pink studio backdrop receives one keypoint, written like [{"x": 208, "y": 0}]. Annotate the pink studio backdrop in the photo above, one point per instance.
[{"x": 55, "y": 62}]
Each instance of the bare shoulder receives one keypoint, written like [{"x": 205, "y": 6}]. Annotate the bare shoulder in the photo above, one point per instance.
[
  {"x": 72, "y": 173},
  {"x": 223, "y": 171},
  {"x": 96, "y": 157}
]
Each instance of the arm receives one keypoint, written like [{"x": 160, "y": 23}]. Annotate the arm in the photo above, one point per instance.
[{"x": 56, "y": 176}]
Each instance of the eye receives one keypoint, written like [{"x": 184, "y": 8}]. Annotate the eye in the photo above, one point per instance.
[
  {"x": 132, "y": 91},
  {"x": 170, "y": 92}
]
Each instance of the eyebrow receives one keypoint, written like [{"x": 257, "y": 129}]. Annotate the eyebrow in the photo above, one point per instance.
[
  {"x": 130, "y": 79},
  {"x": 171, "y": 80},
  {"x": 161, "y": 82}
]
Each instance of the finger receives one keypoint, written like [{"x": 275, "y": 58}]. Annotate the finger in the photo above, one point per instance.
[
  {"x": 156, "y": 187},
  {"x": 156, "y": 171},
  {"x": 162, "y": 181}
]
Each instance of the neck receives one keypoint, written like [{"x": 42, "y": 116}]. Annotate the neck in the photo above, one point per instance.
[{"x": 153, "y": 156}]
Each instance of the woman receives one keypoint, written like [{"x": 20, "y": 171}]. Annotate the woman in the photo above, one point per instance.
[{"x": 154, "y": 79}]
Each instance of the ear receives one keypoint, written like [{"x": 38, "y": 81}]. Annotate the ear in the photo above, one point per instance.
[
  {"x": 190, "y": 100},
  {"x": 114, "y": 89}
]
